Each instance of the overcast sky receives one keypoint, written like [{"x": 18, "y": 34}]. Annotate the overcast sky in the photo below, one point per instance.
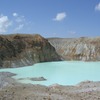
[{"x": 51, "y": 18}]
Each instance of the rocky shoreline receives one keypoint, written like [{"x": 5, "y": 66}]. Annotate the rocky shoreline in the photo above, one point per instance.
[{"x": 10, "y": 89}]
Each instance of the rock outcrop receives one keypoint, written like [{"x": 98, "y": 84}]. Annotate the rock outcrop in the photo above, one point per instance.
[
  {"x": 86, "y": 49},
  {"x": 23, "y": 50}
]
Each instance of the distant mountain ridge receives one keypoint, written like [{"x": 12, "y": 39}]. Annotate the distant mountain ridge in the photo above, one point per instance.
[{"x": 84, "y": 48}]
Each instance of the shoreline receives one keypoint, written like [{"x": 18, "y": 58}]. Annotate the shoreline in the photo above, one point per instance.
[{"x": 12, "y": 90}]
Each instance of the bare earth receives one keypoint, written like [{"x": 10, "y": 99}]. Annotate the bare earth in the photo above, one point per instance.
[{"x": 12, "y": 90}]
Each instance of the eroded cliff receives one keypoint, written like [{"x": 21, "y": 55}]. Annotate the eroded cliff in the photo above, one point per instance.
[
  {"x": 87, "y": 49},
  {"x": 23, "y": 50}
]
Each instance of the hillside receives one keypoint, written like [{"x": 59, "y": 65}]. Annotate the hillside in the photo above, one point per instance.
[
  {"x": 86, "y": 49},
  {"x": 23, "y": 50}
]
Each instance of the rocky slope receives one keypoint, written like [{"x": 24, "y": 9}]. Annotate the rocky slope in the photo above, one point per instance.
[
  {"x": 87, "y": 49},
  {"x": 10, "y": 89},
  {"x": 24, "y": 50}
]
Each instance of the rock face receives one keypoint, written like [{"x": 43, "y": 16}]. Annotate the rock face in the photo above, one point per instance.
[
  {"x": 87, "y": 49},
  {"x": 24, "y": 50}
]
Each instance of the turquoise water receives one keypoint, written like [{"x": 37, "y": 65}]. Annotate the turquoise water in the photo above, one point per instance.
[{"x": 63, "y": 72}]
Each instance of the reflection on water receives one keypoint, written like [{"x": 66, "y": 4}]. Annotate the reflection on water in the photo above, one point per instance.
[{"x": 63, "y": 72}]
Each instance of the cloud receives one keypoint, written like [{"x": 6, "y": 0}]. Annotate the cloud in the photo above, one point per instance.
[
  {"x": 60, "y": 16},
  {"x": 19, "y": 27},
  {"x": 17, "y": 23},
  {"x": 20, "y": 19},
  {"x": 15, "y": 14},
  {"x": 97, "y": 7},
  {"x": 72, "y": 32},
  {"x": 5, "y": 23}
]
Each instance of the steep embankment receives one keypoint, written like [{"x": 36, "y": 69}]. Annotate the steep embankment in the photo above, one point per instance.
[
  {"x": 87, "y": 49},
  {"x": 24, "y": 50}
]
